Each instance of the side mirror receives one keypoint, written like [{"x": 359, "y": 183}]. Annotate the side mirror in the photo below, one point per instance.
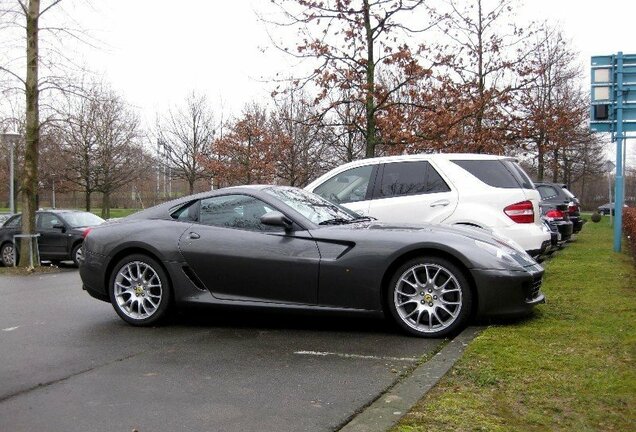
[
  {"x": 275, "y": 218},
  {"x": 61, "y": 227}
]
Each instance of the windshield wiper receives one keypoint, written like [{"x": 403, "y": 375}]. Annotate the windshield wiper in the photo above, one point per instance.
[
  {"x": 336, "y": 221},
  {"x": 364, "y": 219}
]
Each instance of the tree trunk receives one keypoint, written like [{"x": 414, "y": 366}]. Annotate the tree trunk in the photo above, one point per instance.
[
  {"x": 540, "y": 159},
  {"x": 106, "y": 205},
  {"x": 371, "y": 136},
  {"x": 87, "y": 197},
  {"x": 30, "y": 171}
]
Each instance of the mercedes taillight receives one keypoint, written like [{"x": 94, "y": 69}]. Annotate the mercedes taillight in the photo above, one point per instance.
[{"x": 521, "y": 212}]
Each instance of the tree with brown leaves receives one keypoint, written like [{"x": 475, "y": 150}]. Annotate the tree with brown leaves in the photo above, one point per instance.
[{"x": 351, "y": 41}]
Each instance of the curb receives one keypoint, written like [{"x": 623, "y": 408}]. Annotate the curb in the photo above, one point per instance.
[{"x": 389, "y": 408}]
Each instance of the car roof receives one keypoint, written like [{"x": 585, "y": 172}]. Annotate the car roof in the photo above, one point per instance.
[{"x": 425, "y": 156}]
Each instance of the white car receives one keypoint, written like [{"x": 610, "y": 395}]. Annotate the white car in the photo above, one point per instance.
[{"x": 485, "y": 191}]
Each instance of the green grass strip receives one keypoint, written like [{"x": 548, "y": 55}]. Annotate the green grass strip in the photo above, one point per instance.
[{"x": 569, "y": 367}]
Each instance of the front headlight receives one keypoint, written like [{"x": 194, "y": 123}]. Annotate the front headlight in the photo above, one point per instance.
[{"x": 506, "y": 253}]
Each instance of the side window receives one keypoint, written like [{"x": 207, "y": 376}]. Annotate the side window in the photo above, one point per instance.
[
  {"x": 187, "y": 213},
  {"x": 16, "y": 222},
  {"x": 47, "y": 221},
  {"x": 403, "y": 178},
  {"x": 348, "y": 186},
  {"x": 235, "y": 211},
  {"x": 434, "y": 182}
]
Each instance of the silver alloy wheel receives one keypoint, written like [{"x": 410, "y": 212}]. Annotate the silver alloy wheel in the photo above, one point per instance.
[
  {"x": 78, "y": 255},
  {"x": 138, "y": 290},
  {"x": 428, "y": 298},
  {"x": 7, "y": 255}
]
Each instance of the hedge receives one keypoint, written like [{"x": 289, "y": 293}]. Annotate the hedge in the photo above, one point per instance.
[{"x": 629, "y": 227}]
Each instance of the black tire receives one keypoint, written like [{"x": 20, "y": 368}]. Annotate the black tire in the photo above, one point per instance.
[
  {"x": 76, "y": 253},
  {"x": 438, "y": 309},
  {"x": 133, "y": 288},
  {"x": 6, "y": 254}
]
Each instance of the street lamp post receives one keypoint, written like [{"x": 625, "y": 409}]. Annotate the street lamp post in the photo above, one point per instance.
[
  {"x": 53, "y": 195},
  {"x": 10, "y": 137},
  {"x": 609, "y": 166}
]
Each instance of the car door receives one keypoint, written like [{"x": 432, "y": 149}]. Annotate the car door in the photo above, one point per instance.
[
  {"x": 239, "y": 258},
  {"x": 411, "y": 192},
  {"x": 53, "y": 240},
  {"x": 351, "y": 188}
]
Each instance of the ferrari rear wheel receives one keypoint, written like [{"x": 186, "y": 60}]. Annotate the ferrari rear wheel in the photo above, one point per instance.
[
  {"x": 140, "y": 291},
  {"x": 430, "y": 297}
]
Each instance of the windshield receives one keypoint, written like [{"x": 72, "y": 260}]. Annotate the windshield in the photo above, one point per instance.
[
  {"x": 82, "y": 219},
  {"x": 313, "y": 207}
]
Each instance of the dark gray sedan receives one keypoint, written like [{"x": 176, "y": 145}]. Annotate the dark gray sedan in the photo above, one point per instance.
[{"x": 282, "y": 247}]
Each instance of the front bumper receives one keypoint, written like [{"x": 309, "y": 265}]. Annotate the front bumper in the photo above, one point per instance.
[
  {"x": 92, "y": 271},
  {"x": 508, "y": 293}
]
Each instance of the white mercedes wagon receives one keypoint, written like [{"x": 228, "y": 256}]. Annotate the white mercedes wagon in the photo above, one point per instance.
[{"x": 485, "y": 191}]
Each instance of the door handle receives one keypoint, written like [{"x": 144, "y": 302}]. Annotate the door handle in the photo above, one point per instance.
[
  {"x": 194, "y": 236},
  {"x": 440, "y": 203}
]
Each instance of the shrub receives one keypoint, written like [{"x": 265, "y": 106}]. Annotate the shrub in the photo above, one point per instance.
[{"x": 629, "y": 227}]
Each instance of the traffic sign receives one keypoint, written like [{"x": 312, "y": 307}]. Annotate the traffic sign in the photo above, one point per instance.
[
  {"x": 603, "y": 109},
  {"x": 613, "y": 109}
]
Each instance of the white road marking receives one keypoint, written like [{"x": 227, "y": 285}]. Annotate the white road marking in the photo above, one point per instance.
[
  {"x": 8, "y": 329},
  {"x": 354, "y": 356}
]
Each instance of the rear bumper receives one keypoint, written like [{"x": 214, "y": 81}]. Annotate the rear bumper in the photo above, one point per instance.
[
  {"x": 577, "y": 223},
  {"x": 566, "y": 228},
  {"x": 506, "y": 293},
  {"x": 534, "y": 238}
]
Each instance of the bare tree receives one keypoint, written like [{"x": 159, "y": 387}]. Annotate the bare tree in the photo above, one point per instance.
[
  {"x": 80, "y": 142},
  {"x": 300, "y": 142},
  {"x": 25, "y": 15},
  {"x": 120, "y": 159},
  {"x": 187, "y": 133}
]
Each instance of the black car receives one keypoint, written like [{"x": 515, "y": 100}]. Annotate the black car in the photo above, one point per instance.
[
  {"x": 286, "y": 248},
  {"x": 557, "y": 216},
  {"x": 553, "y": 194},
  {"x": 608, "y": 208},
  {"x": 61, "y": 234},
  {"x": 4, "y": 217}
]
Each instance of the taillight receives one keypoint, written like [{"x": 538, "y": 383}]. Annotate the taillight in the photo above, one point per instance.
[
  {"x": 522, "y": 212},
  {"x": 86, "y": 232},
  {"x": 554, "y": 214},
  {"x": 572, "y": 208}
]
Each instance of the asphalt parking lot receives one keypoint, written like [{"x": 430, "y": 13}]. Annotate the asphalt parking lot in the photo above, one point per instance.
[{"x": 68, "y": 363}]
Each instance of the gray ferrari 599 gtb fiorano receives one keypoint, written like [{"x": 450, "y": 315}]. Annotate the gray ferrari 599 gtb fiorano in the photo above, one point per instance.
[{"x": 282, "y": 247}]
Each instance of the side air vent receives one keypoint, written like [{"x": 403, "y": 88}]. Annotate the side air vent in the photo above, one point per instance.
[{"x": 193, "y": 277}]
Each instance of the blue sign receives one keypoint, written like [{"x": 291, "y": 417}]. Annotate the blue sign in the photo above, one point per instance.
[
  {"x": 605, "y": 84},
  {"x": 613, "y": 109}
]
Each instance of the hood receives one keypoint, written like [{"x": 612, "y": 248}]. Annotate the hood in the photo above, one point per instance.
[{"x": 467, "y": 231}]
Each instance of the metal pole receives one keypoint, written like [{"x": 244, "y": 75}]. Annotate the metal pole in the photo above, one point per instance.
[
  {"x": 11, "y": 181},
  {"x": 618, "y": 193},
  {"x": 609, "y": 193},
  {"x": 53, "y": 198}
]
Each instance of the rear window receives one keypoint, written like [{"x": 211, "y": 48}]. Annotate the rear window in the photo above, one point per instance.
[
  {"x": 568, "y": 193},
  {"x": 497, "y": 173},
  {"x": 547, "y": 191}
]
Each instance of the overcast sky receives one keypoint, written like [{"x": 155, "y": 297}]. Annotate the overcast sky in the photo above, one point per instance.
[{"x": 156, "y": 51}]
